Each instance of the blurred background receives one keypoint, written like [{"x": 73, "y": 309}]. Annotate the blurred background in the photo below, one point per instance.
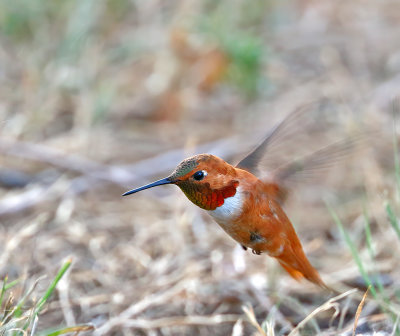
[{"x": 98, "y": 97}]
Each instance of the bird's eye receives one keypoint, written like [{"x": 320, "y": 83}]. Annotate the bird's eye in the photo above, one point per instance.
[{"x": 199, "y": 175}]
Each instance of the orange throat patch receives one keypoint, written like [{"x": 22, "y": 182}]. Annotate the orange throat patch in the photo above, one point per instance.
[{"x": 204, "y": 196}]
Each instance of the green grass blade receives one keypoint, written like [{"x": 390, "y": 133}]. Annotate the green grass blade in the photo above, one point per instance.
[
  {"x": 53, "y": 285},
  {"x": 368, "y": 235},
  {"x": 396, "y": 155},
  {"x": 3, "y": 290},
  {"x": 385, "y": 303},
  {"x": 353, "y": 250},
  {"x": 12, "y": 284},
  {"x": 74, "y": 329},
  {"x": 392, "y": 219},
  {"x": 6, "y": 286},
  {"x": 372, "y": 254},
  {"x": 48, "y": 293},
  {"x": 17, "y": 310}
]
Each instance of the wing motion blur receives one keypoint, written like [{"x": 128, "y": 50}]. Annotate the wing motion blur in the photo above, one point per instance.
[
  {"x": 283, "y": 129},
  {"x": 304, "y": 166}
]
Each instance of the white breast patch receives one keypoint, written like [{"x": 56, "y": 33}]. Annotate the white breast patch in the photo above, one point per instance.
[{"x": 230, "y": 210}]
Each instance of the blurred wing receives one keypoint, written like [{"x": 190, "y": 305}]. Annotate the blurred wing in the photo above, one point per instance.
[
  {"x": 284, "y": 178},
  {"x": 325, "y": 158},
  {"x": 288, "y": 125},
  {"x": 303, "y": 132}
]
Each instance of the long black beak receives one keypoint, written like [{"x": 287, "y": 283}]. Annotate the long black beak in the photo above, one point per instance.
[{"x": 150, "y": 185}]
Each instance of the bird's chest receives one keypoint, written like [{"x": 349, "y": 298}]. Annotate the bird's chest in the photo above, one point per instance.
[
  {"x": 229, "y": 211},
  {"x": 228, "y": 214},
  {"x": 251, "y": 223}
]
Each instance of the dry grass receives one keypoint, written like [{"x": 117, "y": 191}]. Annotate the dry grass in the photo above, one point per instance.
[{"x": 97, "y": 97}]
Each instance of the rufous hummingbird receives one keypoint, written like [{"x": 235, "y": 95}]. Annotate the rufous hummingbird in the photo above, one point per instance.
[{"x": 248, "y": 208}]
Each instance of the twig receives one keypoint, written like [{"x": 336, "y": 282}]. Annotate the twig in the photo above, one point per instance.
[
  {"x": 48, "y": 155},
  {"x": 359, "y": 310},
  {"x": 63, "y": 290},
  {"x": 18, "y": 238},
  {"x": 94, "y": 174},
  {"x": 119, "y": 174},
  {"x": 248, "y": 310},
  {"x": 331, "y": 303},
  {"x": 138, "y": 307},
  {"x": 181, "y": 320},
  {"x": 396, "y": 323},
  {"x": 265, "y": 301}
]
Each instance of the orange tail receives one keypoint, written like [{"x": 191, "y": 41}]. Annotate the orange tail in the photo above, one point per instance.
[{"x": 298, "y": 266}]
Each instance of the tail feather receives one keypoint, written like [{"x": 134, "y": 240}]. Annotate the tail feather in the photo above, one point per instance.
[
  {"x": 298, "y": 266},
  {"x": 295, "y": 274}
]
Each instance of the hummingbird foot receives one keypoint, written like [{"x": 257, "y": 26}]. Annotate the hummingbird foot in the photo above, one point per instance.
[
  {"x": 256, "y": 252},
  {"x": 244, "y": 247}
]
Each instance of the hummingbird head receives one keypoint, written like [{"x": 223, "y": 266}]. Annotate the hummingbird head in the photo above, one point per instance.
[{"x": 205, "y": 179}]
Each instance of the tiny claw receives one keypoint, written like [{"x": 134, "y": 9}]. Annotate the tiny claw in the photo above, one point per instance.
[
  {"x": 256, "y": 252},
  {"x": 244, "y": 247}
]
